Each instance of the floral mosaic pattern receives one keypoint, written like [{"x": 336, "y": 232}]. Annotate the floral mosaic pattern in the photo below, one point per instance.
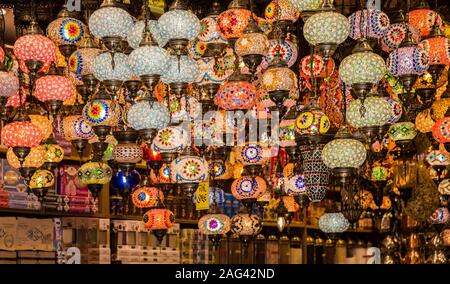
[
  {"x": 232, "y": 22},
  {"x": 159, "y": 219},
  {"x": 214, "y": 224},
  {"x": 423, "y": 20},
  {"x": 252, "y": 43},
  {"x": 42, "y": 179},
  {"x": 402, "y": 131},
  {"x": 102, "y": 112},
  {"x": 53, "y": 153},
  {"x": 316, "y": 173},
  {"x": 236, "y": 95},
  {"x": 362, "y": 67},
  {"x": 279, "y": 79},
  {"x": 438, "y": 50},
  {"x": 246, "y": 225},
  {"x": 34, "y": 47},
  {"x": 326, "y": 27},
  {"x": 103, "y": 68},
  {"x": 374, "y": 24},
  {"x": 396, "y": 33},
  {"x": 344, "y": 153},
  {"x": 184, "y": 71},
  {"x": 189, "y": 169},
  {"x": 146, "y": 115},
  {"x": 53, "y": 88},
  {"x": 248, "y": 188},
  {"x": 95, "y": 173},
  {"x": 209, "y": 31},
  {"x": 280, "y": 10},
  {"x": 252, "y": 154},
  {"x": 21, "y": 134},
  {"x": 148, "y": 60},
  {"x": 408, "y": 61},
  {"x": 377, "y": 112},
  {"x": 318, "y": 67},
  {"x": 9, "y": 84},
  {"x": 66, "y": 31},
  {"x": 396, "y": 110},
  {"x": 212, "y": 71},
  {"x": 286, "y": 48},
  {"x": 312, "y": 122},
  {"x": 146, "y": 197},
  {"x": 170, "y": 139},
  {"x": 110, "y": 22},
  {"x": 295, "y": 185},
  {"x": 80, "y": 62}
]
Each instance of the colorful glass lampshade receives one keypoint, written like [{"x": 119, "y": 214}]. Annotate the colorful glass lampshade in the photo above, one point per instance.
[
  {"x": 333, "y": 223},
  {"x": 189, "y": 169},
  {"x": 377, "y": 112},
  {"x": 81, "y": 61},
  {"x": 252, "y": 43},
  {"x": 110, "y": 22},
  {"x": 53, "y": 153},
  {"x": 280, "y": 10},
  {"x": 149, "y": 60},
  {"x": 424, "y": 20},
  {"x": 440, "y": 216},
  {"x": 9, "y": 84},
  {"x": 42, "y": 179},
  {"x": 104, "y": 70},
  {"x": 402, "y": 131},
  {"x": 34, "y": 47},
  {"x": 252, "y": 154},
  {"x": 438, "y": 50},
  {"x": 396, "y": 110},
  {"x": 424, "y": 121},
  {"x": 344, "y": 153},
  {"x": 232, "y": 22},
  {"x": 235, "y": 95},
  {"x": 95, "y": 173},
  {"x": 439, "y": 108},
  {"x": 248, "y": 188},
  {"x": 246, "y": 225},
  {"x": 135, "y": 37},
  {"x": 287, "y": 133},
  {"x": 286, "y": 48},
  {"x": 295, "y": 185},
  {"x": 35, "y": 159},
  {"x": 409, "y": 60},
  {"x": 396, "y": 33},
  {"x": 127, "y": 153},
  {"x": 362, "y": 68},
  {"x": 326, "y": 28},
  {"x": 368, "y": 24},
  {"x": 21, "y": 134},
  {"x": 436, "y": 158},
  {"x": 379, "y": 173},
  {"x": 316, "y": 173},
  {"x": 148, "y": 115},
  {"x": 441, "y": 130},
  {"x": 170, "y": 139},
  {"x": 214, "y": 224},
  {"x": 319, "y": 70},
  {"x": 306, "y": 5},
  {"x": 122, "y": 183},
  {"x": 183, "y": 71},
  {"x": 444, "y": 187},
  {"x": 102, "y": 112},
  {"x": 212, "y": 71},
  {"x": 53, "y": 88},
  {"x": 146, "y": 197},
  {"x": 179, "y": 24},
  {"x": 43, "y": 123},
  {"x": 64, "y": 31},
  {"x": 159, "y": 219},
  {"x": 76, "y": 127},
  {"x": 279, "y": 79},
  {"x": 312, "y": 122}
]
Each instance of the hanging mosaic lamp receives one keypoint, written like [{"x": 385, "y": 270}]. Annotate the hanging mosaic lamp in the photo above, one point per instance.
[
  {"x": 77, "y": 131},
  {"x": 423, "y": 19},
  {"x": 246, "y": 189},
  {"x": 305, "y": 6},
  {"x": 146, "y": 197},
  {"x": 396, "y": 34},
  {"x": 54, "y": 154},
  {"x": 158, "y": 220},
  {"x": 95, "y": 174},
  {"x": 295, "y": 185},
  {"x": 236, "y": 93},
  {"x": 170, "y": 140},
  {"x": 112, "y": 70},
  {"x": 286, "y": 48},
  {"x": 314, "y": 170},
  {"x": 209, "y": 33},
  {"x": 136, "y": 36},
  {"x": 377, "y": 112},
  {"x": 127, "y": 153},
  {"x": 233, "y": 21},
  {"x": 333, "y": 223},
  {"x": 246, "y": 226},
  {"x": 438, "y": 49},
  {"x": 182, "y": 71},
  {"x": 402, "y": 131},
  {"x": 214, "y": 226},
  {"x": 41, "y": 182},
  {"x": 368, "y": 24},
  {"x": 311, "y": 122}
]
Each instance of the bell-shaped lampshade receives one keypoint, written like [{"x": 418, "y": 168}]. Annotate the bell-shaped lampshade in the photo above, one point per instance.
[
  {"x": 81, "y": 61},
  {"x": 377, "y": 112},
  {"x": 189, "y": 169},
  {"x": 362, "y": 68},
  {"x": 42, "y": 179},
  {"x": 66, "y": 30},
  {"x": 35, "y": 159},
  {"x": 179, "y": 24},
  {"x": 53, "y": 153},
  {"x": 21, "y": 134},
  {"x": 146, "y": 197},
  {"x": 102, "y": 112},
  {"x": 159, "y": 219},
  {"x": 214, "y": 224},
  {"x": 235, "y": 95},
  {"x": 34, "y": 47},
  {"x": 248, "y": 188},
  {"x": 170, "y": 139},
  {"x": 110, "y": 22},
  {"x": 252, "y": 154},
  {"x": 232, "y": 22},
  {"x": 135, "y": 37},
  {"x": 306, "y": 5},
  {"x": 76, "y": 127},
  {"x": 148, "y": 115},
  {"x": 186, "y": 72},
  {"x": 326, "y": 28},
  {"x": 280, "y": 10},
  {"x": 312, "y": 122},
  {"x": 333, "y": 223},
  {"x": 95, "y": 173},
  {"x": 424, "y": 20},
  {"x": 424, "y": 121},
  {"x": 246, "y": 225},
  {"x": 149, "y": 60},
  {"x": 103, "y": 68},
  {"x": 344, "y": 152},
  {"x": 368, "y": 24},
  {"x": 286, "y": 48},
  {"x": 438, "y": 50},
  {"x": 441, "y": 130},
  {"x": 409, "y": 60},
  {"x": 402, "y": 131},
  {"x": 9, "y": 84},
  {"x": 53, "y": 88},
  {"x": 295, "y": 185}
]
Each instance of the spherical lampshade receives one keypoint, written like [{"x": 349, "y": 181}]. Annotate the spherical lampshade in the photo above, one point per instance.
[
  {"x": 246, "y": 225},
  {"x": 374, "y": 24},
  {"x": 209, "y": 31},
  {"x": 344, "y": 153},
  {"x": 232, "y": 22},
  {"x": 42, "y": 179},
  {"x": 440, "y": 216},
  {"x": 438, "y": 50},
  {"x": 279, "y": 79},
  {"x": 110, "y": 22},
  {"x": 424, "y": 20},
  {"x": 9, "y": 84},
  {"x": 212, "y": 71},
  {"x": 76, "y": 127},
  {"x": 441, "y": 130},
  {"x": 34, "y": 47},
  {"x": 247, "y": 188},
  {"x": 236, "y": 95},
  {"x": 439, "y": 108},
  {"x": 280, "y": 10},
  {"x": 295, "y": 185},
  {"x": 170, "y": 139},
  {"x": 252, "y": 154},
  {"x": 436, "y": 158},
  {"x": 179, "y": 24},
  {"x": 66, "y": 31},
  {"x": 43, "y": 123},
  {"x": 148, "y": 115},
  {"x": 148, "y": 60},
  {"x": 103, "y": 68},
  {"x": 408, "y": 61},
  {"x": 53, "y": 88},
  {"x": 102, "y": 112},
  {"x": 94, "y": 173},
  {"x": 312, "y": 122},
  {"x": 318, "y": 67},
  {"x": 326, "y": 28},
  {"x": 396, "y": 110},
  {"x": 186, "y": 72},
  {"x": 159, "y": 219},
  {"x": 35, "y": 159},
  {"x": 396, "y": 33},
  {"x": 402, "y": 131},
  {"x": 80, "y": 62},
  {"x": 424, "y": 121},
  {"x": 286, "y": 48},
  {"x": 377, "y": 112},
  {"x": 189, "y": 169},
  {"x": 306, "y": 5},
  {"x": 252, "y": 43},
  {"x": 332, "y": 223},
  {"x": 146, "y": 197},
  {"x": 361, "y": 68},
  {"x": 127, "y": 153},
  {"x": 214, "y": 224},
  {"x": 21, "y": 134},
  {"x": 53, "y": 153},
  {"x": 135, "y": 37}
]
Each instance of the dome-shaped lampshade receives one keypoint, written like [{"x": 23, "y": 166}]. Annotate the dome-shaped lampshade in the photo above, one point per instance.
[
  {"x": 102, "y": 112},
  {"x": 377, "y": 112},
  {"x": 295, "y": 185},
  {"x": 438, "y": 50},
  {"x": 236, "y": 95},
  {"x": 424, "y": 121},
  {"x": 189, "y": 169},
  {"x": 80, "y": 62},
  {"x": 135, "y": 37},
  {"x": 279, "y": 79},
  {"x": 214, "y": 224},
  {"x": 408, "y": 61},
  {"x": 179, "y": 24},
  {"x": 396, "y": 33},
  {"x": 76, "y": 127},
  {"x": 333, "y": 223},
  {"x": 280, "y": 10},
  {"x": 396, "y": 110},
  {"x": 149, "y": 60},
  {"x": 440, "y": 216},
  {"x": 232, "y": 22},
  {"x": 326, "y": 28},
  {"x": 436, "y": 158},
  {"x": 248, "y": 188},
  {"x": 159, "y": 219},
  {"x": 252, "y": 43},
  {"x": 424, "y": 20},
  {"x": 402, "y": 131},
  {"x": 110, "y": 22},
  {"x": 53, "y": 153},
  {"x": 21, "y": 134},
  {"x": 186, "y": 72},
  {"x": 286, "y": 48},
  {"x": 34, "y": 47},
  {"x": 362, "y": 68},
  {"x": 344, "y": 153},
  {"x": 252, "y": 154},
  {"x": 374, "y": 24},
  {"x": 42, "y": 179},
  {"x": 246, "y": 225},
  {"x": 212, "y": 71},
  {"x": 54, "y": 88},
  {"x": 148, "y": 115},
  {"x": 209, "y": 32},
  {"x": 441, "y": 130},
  {"x": 35, "y": 159},
  {"x": 9, "y": 84},
  {"x": 170, "y": 139},
  {"x": 104, "y": 70},
  {"x": 146, "y": 197},
  {"x": 312, "y": 122},
  {"x": 306, "y": 5},
  {"x": 94, "y": 173},
  {"x": 64, "y": 31}
]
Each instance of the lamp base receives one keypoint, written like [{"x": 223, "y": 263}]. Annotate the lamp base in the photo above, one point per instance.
[
  {"x": 21, "y": 153},
  {"x": 150, "y": 81},
  {"x": 159, "y": 234},
  {"x": 90, "y": 82},
  {"x": 360, "y": 91},
  {"x": 67, "y": 49},
  {"x": 112, "y": 86},
  {"x": 178, "y": 89},
  {"x": 189, "y": 188},
  {"x": 253, "y": 170},
  {"x": 113, "y": 43},
  {"x": 102, "y": 131},
  {"x": 179, "y": 46},
  {"x": 215, "y": 49},
  {"x": 252, "y": 61},
  {"x": 79, "y": 145},
  {"x": 408, "y": 82}
]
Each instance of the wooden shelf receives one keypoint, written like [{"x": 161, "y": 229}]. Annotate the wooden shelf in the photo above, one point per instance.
[{"x": 42, "y": 213}]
